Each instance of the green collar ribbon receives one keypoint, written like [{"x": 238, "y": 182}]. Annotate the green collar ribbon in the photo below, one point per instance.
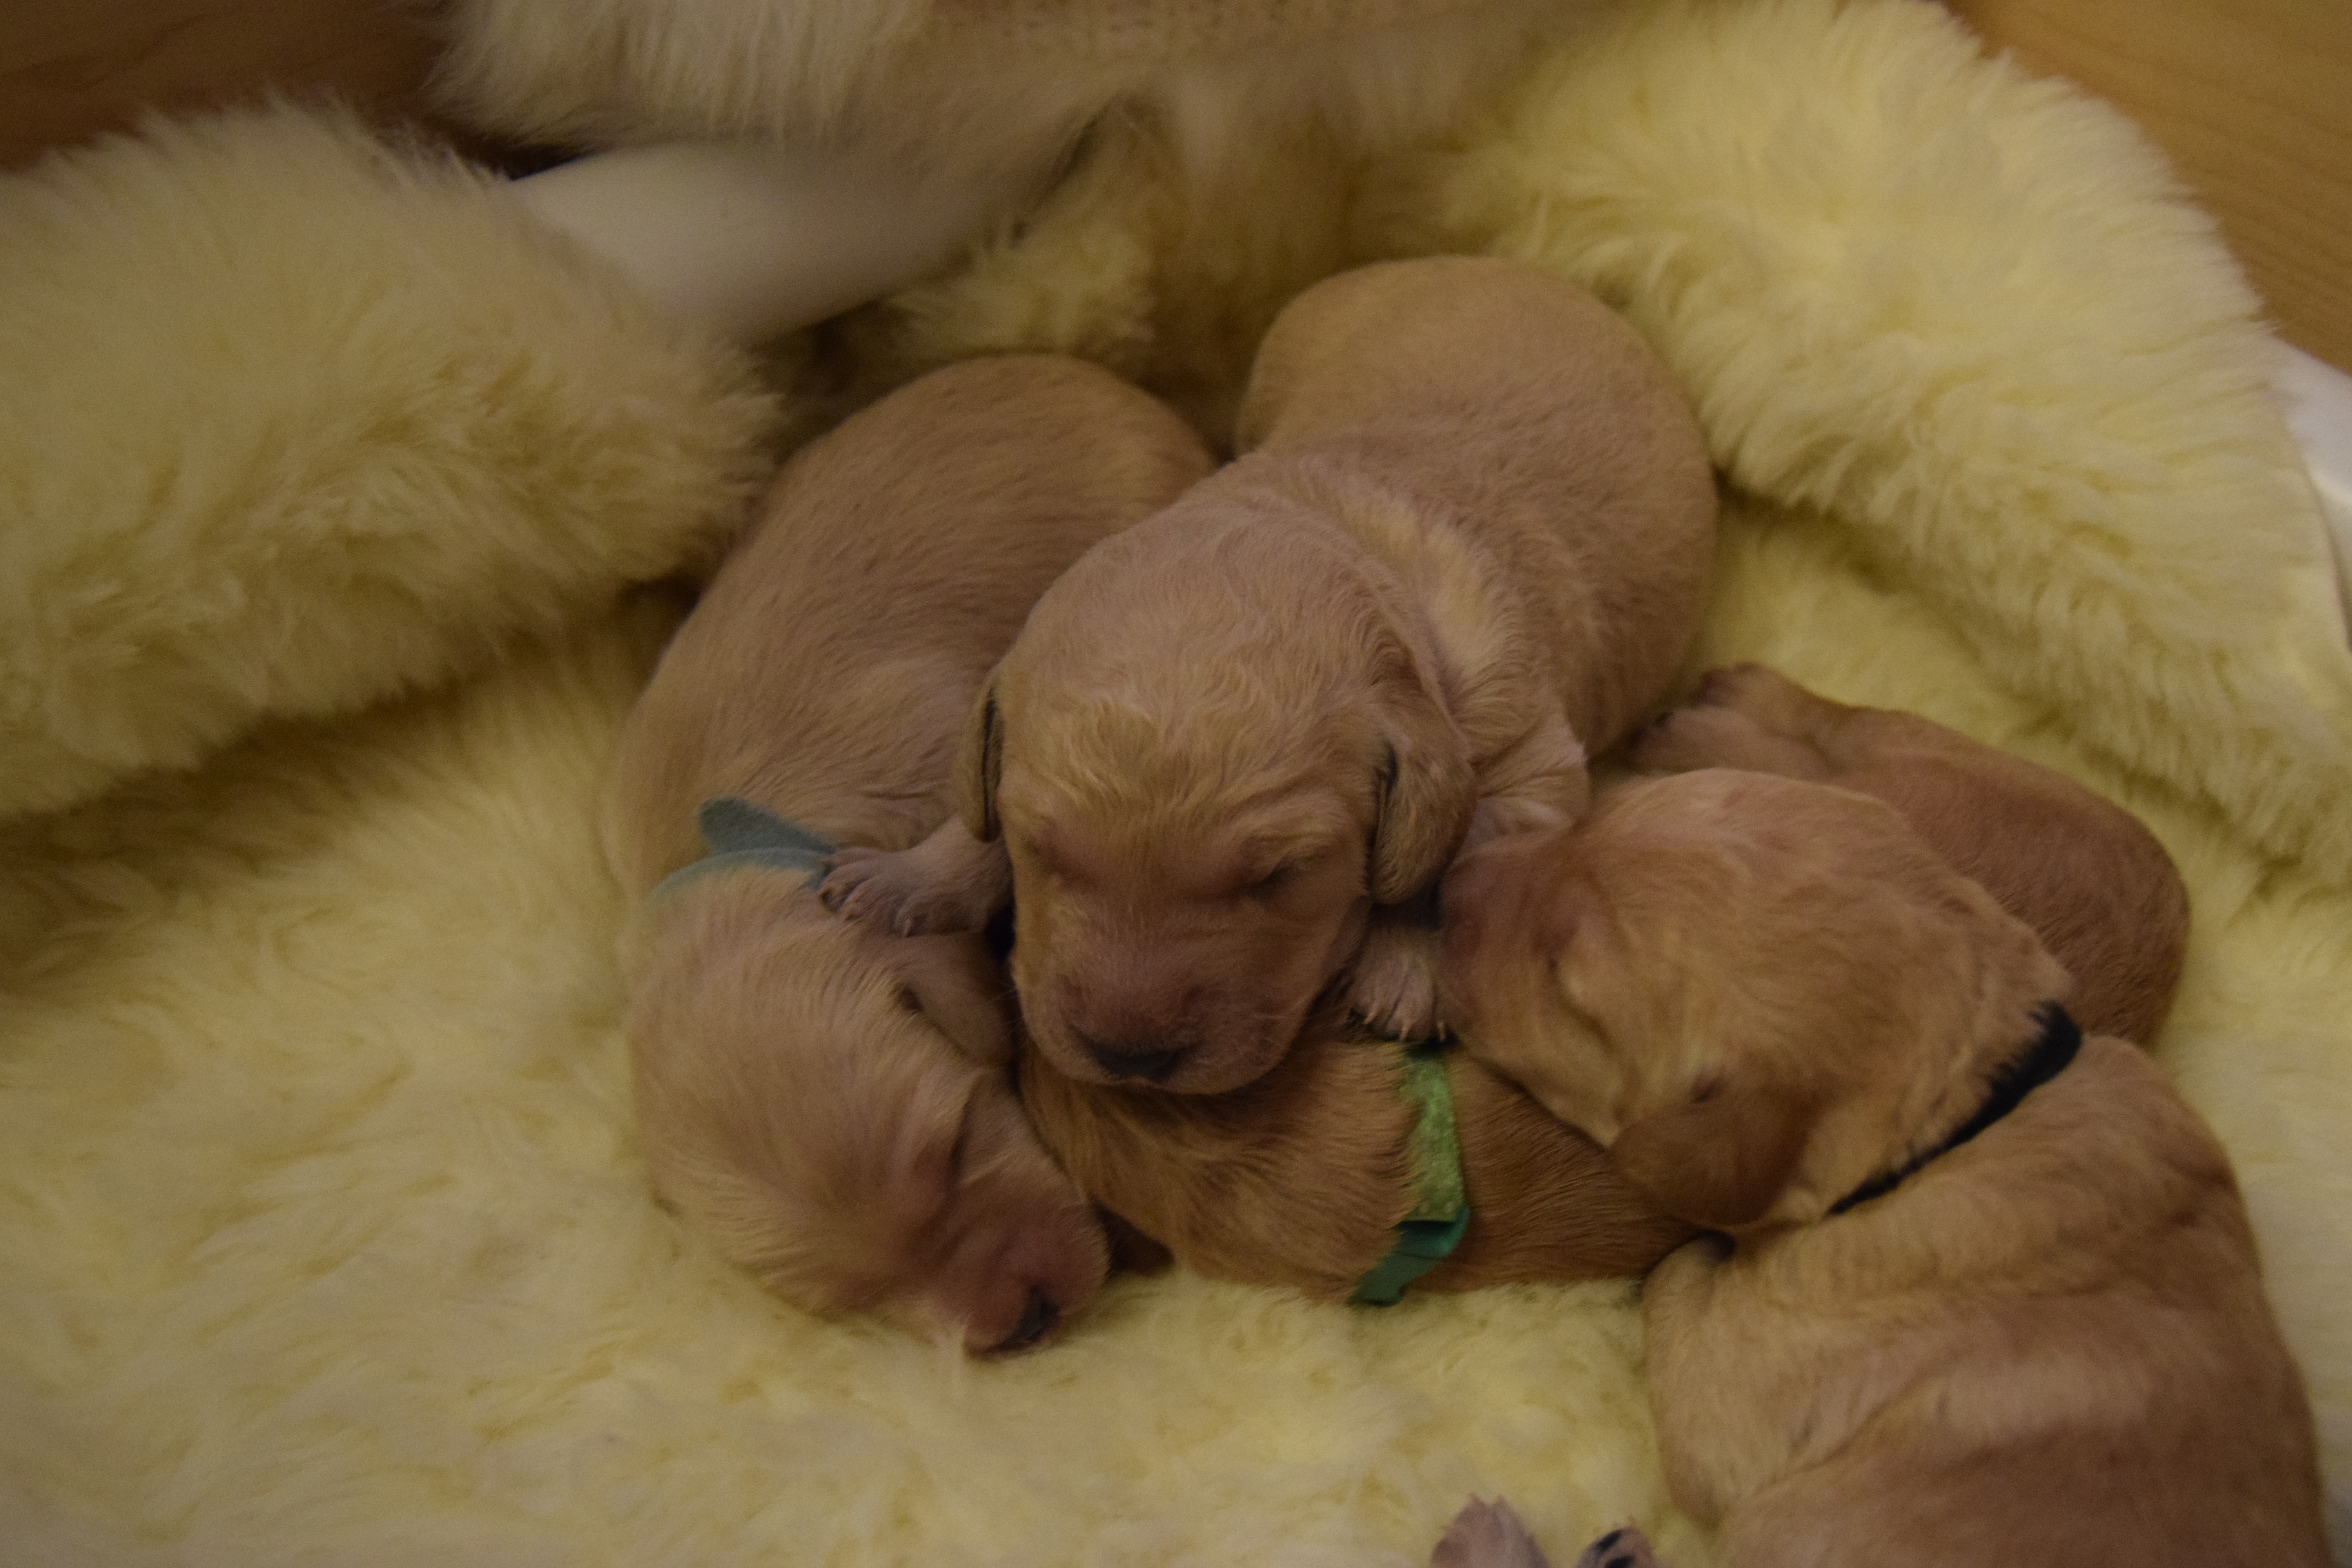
[
  {"x": 1433, "y": 1226},
  {"x": 737, "y": 833}
]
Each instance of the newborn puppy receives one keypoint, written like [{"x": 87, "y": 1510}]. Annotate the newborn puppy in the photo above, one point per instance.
[
  {"x": 1988, "y": 1293},
  {"x": 1469, "y": 539},
  {"x": 2095, "y": 884},
  {"x": 832, "y": 1103},
  {"x": 1302, "y": 1179}
]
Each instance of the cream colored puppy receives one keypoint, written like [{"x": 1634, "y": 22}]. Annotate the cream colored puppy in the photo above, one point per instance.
[
  {"x": 833, "y": 1104},
  {"x": 1987, "y": 1292},
  {"x": 1469, "y": 539}
]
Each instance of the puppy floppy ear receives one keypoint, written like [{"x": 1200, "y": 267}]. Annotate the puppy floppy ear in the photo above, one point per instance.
[
  {"x": 1425, "y": 791},
  {"x": 979, "y": 760},
  {"x": 1721, "y": 1158}
]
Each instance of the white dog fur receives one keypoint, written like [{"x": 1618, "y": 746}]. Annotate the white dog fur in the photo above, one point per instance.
[{"x": 978, "y": 85}]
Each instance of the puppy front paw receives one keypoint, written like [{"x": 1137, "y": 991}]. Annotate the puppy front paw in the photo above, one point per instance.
[
  {"x": 948, "y": 882},
  {"x": 1394, "y": 986},
  {"x": 868, "y": 886},
  {"x": 1745, "y": 716},
  {"x": 1690, "y": 738},
  {"x": 1487, "y": 1535},
  {"x": 1626, "y": 1548}
]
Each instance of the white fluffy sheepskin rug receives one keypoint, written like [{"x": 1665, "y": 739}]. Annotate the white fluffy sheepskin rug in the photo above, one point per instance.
[{"x": 323, "y": 1231}]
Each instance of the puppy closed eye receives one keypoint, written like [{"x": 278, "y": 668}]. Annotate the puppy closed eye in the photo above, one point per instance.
[
  {"x": 939, "y": 1173},
  {"x": 960, "y": 1151},
  {"x": 1279, "y": 878},
  {"x": 1274, "y": 882}
]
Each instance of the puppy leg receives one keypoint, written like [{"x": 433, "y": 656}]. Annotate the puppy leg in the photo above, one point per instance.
[
  {"x": 1542, "y": 782},
  {"x": 1689, "y": 739},
  {"x": 1539, "y": 783},
  {"x": 1393, "y": 987},
  {"x": 1742, "y": 717},
  {"x": 1488, "y": 1535},
  {"x": 950, "y": 882}
]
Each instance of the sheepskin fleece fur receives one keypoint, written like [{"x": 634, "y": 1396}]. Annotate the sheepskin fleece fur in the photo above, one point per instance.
[
  {"x": 324, "y": 1236},
  {"x": 292, "y": 423}
]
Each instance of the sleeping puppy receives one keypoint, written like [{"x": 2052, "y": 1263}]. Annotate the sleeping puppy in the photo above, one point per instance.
[
  {"x": 2095, "y": 884},
  {"x": 1985, "y": 1291},
  {"x": 1236, "y": 745},
  {"x": 833, "y": 1104},
  {"x": 1303, "y": 1179}
]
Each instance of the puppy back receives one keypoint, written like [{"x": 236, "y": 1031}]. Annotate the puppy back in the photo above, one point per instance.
[
  {"x": 2094, "y": 884},
  {"x": 2100, "y": 1377},
  {"x": 827, "y": 669},
  {"x": 1478, "y": 336},
  {"x": 1515, "y": 410}
]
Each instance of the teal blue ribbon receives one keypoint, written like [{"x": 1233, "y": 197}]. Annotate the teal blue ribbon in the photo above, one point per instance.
[
  {"x": 737, "y": 833},
  {"x": 1440, "y": 1215}
]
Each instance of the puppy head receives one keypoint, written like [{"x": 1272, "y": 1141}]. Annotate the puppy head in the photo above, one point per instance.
[
  {"x": 1758, "y": 993},
  {"x": 835, "y": 1108},
  {"x": 1201, "y": 811}
]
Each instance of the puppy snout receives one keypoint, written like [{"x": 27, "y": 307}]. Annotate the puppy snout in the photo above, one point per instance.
[
  {"x": 1152, "y": 1064},
  {"x": 1037, "y": 1320}
]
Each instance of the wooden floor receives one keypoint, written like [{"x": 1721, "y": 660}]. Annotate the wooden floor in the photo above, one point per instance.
[
  {"x": 2252, "y": 98},
  {"x": 72, "y": 68}
]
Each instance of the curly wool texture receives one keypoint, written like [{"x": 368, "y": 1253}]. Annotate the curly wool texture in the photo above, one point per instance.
[
  {"x": 294, "y": 422},
  {"x": 323, "y": 1233}
]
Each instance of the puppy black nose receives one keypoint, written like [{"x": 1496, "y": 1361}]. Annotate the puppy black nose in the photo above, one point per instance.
[
  {"x": 1150, "y": 1065},
  {"x": 1037, "y": 1320}
]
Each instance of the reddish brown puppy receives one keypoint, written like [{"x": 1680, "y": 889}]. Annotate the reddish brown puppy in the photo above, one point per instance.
[{"x": 1984, "y": 1290}]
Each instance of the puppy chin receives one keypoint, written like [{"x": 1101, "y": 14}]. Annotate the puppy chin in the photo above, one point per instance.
[
  {"x": 1223, "y": 1071},
  {"x": 1216, "y": 1064}
]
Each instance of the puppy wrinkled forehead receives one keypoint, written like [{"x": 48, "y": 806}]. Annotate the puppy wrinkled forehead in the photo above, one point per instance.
[{"x": 1114, "y": 771}]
